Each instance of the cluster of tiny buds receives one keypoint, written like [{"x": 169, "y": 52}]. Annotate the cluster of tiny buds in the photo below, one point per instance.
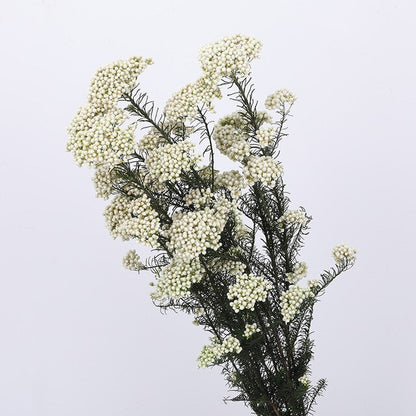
[
  {"x": 233, "y": 180},
  {"x": 199, "y": 197},
  {"x": 102, "y": 182},
  {"x": 184, "y": 104},
  {"x": 292, "y": 300},
  {"x": 113, "y": 80},
  {"x": 216, "y": 350},
  {"x": 299, "y": 271},
  {"x": 231, "y": 344},
  {"x": 95, "y": 135},
  {"x": 230, "y": 137},
  {"x": 150, "y": 141},
  {"x": 192, "y": 233},
  {"x": 304, "y": 380},
  {"x": 250, "y": 329},
  {"x": 313, "y": 284},
  {"x": 343, "y": 253},
  {"x": 265, "y": 135},
  {"x": 131, "y": 261},
  {"x": 234, "y": 268},
  {"x": 96, "y": 139},
  {"x": 143, "y": 224},
  {"x": 262, "y": 169},
  {"x": 278, "y": 99},
  {"x": 133, "y": 218},
  {"x": 177, "y": 278},
  {"x": 166, "y": 163},
  {"x": 232, "y": 54},
  {"x": 293, "y": 217},
  {"x": 247, "y": 290},
  {"x": 116, "y": 212}
]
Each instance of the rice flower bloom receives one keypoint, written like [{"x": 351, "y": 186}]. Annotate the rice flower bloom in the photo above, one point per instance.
[
  {"x": 232, "y": 180},
  {"x": 265, "y": 135},
  {"x": 342, "y": 253},
  {"x": 167, "y": 163},
  {"x": 299, "y": 271},
  {"x": 262, "y": 169},
  {"x": 131, "y": 261},
  {"x": 231, "y": 54},
  {"x": 133, "y": 219},
  {"x": 231, "y": 138},
  {"x": 192, "y": 233},
  {"x": 216, "y": 350},
  {"x": 95, "y": 133},
  {"x": 247, "y": 290},
  {"x": 199, "y": 197},
  {"x": 184, "y": 104},
  {"x": 102, "y": 182},
  {"x": 250, "y": 330},
  {"x": 96, "y": 139},
  {"x": 304, "y": 380},
  {"x": 151, "y": 141},
  {"x": 292, "y": 218},
  {"x": 113, "y": 80},
  {"x": 278, "y": 99},
  {"x": 292, "y": 300},
  {"x": 177, "y": 278}
]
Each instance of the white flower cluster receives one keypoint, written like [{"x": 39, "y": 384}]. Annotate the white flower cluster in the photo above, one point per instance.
[
  {"x": 116, "y": 213},
  {"x": 299, "y": 271},
  {"x": 231, "y": 344},
  {"x": 262, "y": 168},
  {"x": 265, "y": 135},
  {"x": 209, "y": 354},
  {"x": 144, "y": 224},
  {"x": 102, "y": 182},
  {"x": 184, "y": 104},
  {"x": 230, "y": 54},
  {"x": 134, "y": 218},
  {"x": 264, "y": 117},
  {"x": 166, "y": 163},
  {"x": 230, "y": 137},
  {"x": 292, "y": 299},
  {"x": 97, "y": 139},
  {"x": 113, "y": 80},
  {"x": 131, "y": 261},
  {"x": 342, "y": 253},
  {"x": 304, "y": 380},
  {"x": 313, "y": 284},
  {"x": 215, "y": 351},
  {"x": 233, "y": 180},
  {"x": 278, "y": 99},
  {"x": 177, "y": 278},
  {"x": 150, "y": 141},
  {"x": 95, "y": 135},
  {"x": 199, "y": 197},
  {"x": 292, "y": 217},
  {"x": 247, "y": 290},
  {"x": 234, "y": 268},
  {"x": 250, "y": 330},
  {"x": 192, "y": 233}
]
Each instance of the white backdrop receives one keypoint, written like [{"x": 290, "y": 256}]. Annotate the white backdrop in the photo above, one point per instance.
[{"x": 79, "y": 335}]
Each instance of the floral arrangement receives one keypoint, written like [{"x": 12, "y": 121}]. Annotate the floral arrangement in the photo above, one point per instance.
[{"x": 226, "y": 243}]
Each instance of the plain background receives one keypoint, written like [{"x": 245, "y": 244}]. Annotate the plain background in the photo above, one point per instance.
[{"x": 79, "y": 335}]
